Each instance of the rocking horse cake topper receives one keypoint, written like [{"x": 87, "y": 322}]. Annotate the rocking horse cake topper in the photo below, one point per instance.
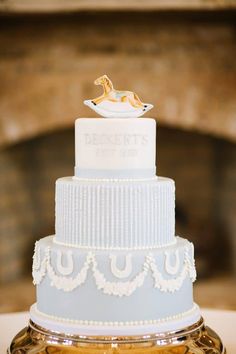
[{"x": 115, "y": 103}]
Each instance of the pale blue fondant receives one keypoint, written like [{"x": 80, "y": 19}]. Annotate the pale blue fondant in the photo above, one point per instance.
[
  {"x": 115, "y": 173},
  {"x": 86, "y": 302}
]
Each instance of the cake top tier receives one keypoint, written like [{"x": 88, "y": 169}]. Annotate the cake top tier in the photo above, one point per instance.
[
  {"x": 115, "y": 103},
  {"x": 119, "y": 148},
  {"x": 115, "y": 148}
]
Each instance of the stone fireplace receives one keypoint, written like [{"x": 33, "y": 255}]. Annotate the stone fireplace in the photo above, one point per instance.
[{"x": 180, "y": 58}]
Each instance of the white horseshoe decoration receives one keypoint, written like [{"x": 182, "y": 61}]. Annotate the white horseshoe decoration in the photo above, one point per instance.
[
  {"x": 124, "y": 273},
  {"x": 172, "y": 269},
  {"x": 68, "y": 269}
]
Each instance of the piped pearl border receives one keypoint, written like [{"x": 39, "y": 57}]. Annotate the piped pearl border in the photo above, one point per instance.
[
  {"x": 80, "y": 179},
  {"x": 83, "y": 327},
  {"x": 56, "y": 242}
]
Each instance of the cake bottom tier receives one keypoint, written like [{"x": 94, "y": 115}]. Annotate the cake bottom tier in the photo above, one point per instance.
[{"x": 88, "y": 289}]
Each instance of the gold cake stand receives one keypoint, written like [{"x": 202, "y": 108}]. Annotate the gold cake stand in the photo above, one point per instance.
[{"x": 195, "y": 339}]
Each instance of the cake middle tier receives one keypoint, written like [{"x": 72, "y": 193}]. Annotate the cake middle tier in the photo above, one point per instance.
[{"x": 115, "y": 214}]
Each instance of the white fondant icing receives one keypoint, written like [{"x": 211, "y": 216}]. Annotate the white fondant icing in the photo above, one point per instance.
[
  {"x": 115, "y": 145},
  {"x": 121, "y": 273},
  {"x": 172, "y": 269},
  {"x": 69, "y": 267},
  {"x": 125, "y": 288}
]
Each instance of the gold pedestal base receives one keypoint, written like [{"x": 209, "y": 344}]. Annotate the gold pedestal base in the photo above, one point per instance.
[{"x": 195, "y": 339}]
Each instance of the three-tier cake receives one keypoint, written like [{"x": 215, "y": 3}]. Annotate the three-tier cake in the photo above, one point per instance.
[{"x": 114, "y": 265}]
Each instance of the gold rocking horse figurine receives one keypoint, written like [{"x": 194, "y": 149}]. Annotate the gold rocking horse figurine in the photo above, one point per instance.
[
  {"x": 114, "y": 95},
  {"x": 115, "y": 103}
]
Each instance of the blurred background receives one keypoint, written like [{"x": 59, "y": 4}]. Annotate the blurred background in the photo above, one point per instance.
[{"x": 178, "y": 54}]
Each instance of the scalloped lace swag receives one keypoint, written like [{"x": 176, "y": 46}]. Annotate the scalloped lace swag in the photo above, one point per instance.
[{"x": 43, "y": 266}]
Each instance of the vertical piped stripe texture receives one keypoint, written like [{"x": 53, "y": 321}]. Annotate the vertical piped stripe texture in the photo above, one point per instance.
[{"x": 115, "y": 214}]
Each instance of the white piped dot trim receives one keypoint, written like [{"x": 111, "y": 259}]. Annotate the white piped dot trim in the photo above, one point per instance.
[
  {"x": 120, "y": 323},
  {"x": 113, "y": 248},
  {"x": 79, "y": 179}
]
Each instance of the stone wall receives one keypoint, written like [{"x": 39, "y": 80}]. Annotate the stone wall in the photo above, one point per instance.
[{"x": 183, "y": 62}]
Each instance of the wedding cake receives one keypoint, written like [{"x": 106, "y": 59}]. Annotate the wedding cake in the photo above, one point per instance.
[{"x": 114, "y": 265}]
